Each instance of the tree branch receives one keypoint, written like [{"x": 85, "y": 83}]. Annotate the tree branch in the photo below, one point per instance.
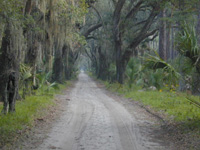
[
  {"x": 134, "y": 10},
  {"x": 91, "y": 37},
  {"x": 116, "y": 19},
  {"x": 143, "y": 32},
  {"x": 118, "y": 8},
  {"x": 155, "y": 35},
  {"x": 91, "y": 29},
  {"x": 88, "y": 54}
]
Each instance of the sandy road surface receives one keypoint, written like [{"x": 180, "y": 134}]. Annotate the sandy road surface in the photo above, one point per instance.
[{"x": 94, "y": 121}]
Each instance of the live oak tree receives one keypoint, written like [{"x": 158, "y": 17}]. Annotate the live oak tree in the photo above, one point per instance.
[
  {"x": 123, "y": 22},
  {"x": 42, "y": 35}
]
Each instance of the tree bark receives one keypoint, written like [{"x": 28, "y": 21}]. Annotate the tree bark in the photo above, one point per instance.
[
  {"x": 103, "y": 67},
  {"x": 91, "y": 29},
  {"x": 163, "y": 36},
  {"x": 198, "y": 25},
  {"x": 118, "y": 40},
  {"x": 9, "y": 71},
  {"x": 58, "y": 66}
]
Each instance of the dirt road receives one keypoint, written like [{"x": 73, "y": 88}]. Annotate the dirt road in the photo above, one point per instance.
[{"x": 93, "y": 120}]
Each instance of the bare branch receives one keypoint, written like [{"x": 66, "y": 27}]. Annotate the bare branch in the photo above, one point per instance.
[
  {"x": 134, "y": 10},
  {"x": 141, "y": 38},
  {"x": 88, "y": 54},
  {"x": 144, "y": 31},
  {"x": 91, "y": 29},
  {"x": 155, "y": 35},
  {"x": 91, "y": 37}
]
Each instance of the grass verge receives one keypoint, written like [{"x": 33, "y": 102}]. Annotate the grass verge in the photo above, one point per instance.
[
  {"x": 173, "y": 105},
  {"x": 27, "y": 111}
]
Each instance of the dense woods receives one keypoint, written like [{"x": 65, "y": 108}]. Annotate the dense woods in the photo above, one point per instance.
[
  {"x": 147, "y": 43},
  {"x": 37, "y": 37},
  {"x": 146, "y": 49}
]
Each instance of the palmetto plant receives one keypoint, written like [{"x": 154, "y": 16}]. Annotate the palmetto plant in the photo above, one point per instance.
[
  {"x": 155, "y": 62},
  {"x": 25, "y": 72},
  {"x": 25, "y": 79},
  {"x": 43, "y": 82},
  {"x": 187, "y": 45},
  {"x": 133, "y": 71}
]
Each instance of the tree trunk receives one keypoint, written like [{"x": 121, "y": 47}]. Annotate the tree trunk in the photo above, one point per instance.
[
  {"x": 198, "y": 25},
  {"x": 163, "y": 36},
  {"x": 71, "y": 59},
  {"x": 118, "y": 40},
  {"x": 58, "y": 66},
  {"x": 119, "y": 65},
  {"x": 172, "y": 53},
  {"x": 168, "y": 42},
  {"x": 9, "y": 70},
  {"x": 196, "y": 77},
  {"x": 118, "y": 52},
  {"x": 94, "y": 58},
  {"x": 182, "y": 81},
  {"x": 103, "y": 67}
]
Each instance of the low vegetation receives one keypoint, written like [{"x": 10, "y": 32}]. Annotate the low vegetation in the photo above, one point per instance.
[
  {"x": 28, "y": 110},
  {"x": 170, "y": 103}
]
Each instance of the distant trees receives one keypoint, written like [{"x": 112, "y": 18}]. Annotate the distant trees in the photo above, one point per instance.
[{"x": 136, "y": 28}]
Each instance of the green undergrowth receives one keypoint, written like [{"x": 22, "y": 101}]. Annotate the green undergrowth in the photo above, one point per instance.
[
  {"x": 27, "y": 111},
  {"x": 174, "y": 105}
]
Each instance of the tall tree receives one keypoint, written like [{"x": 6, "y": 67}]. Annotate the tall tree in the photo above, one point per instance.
[
  {"x": 144, "y": 29},
  {"x": 163, "y": 36}
]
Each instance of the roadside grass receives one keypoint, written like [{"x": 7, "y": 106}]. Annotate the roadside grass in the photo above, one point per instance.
[
  {"x": 27, "y": 111},
  {"x": 173, "y": 104}
]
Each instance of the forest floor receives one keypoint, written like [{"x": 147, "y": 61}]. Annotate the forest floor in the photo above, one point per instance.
[{"x": 88, "y": 117}]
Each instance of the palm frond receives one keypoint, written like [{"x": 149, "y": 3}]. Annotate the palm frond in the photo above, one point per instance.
[
  {"x": 25, "y": 71},
  {"x": 187, "y": 44},
  {"x": 155, "y": 62}
]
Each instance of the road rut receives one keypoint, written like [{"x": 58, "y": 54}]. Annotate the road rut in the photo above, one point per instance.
[{"x": 93, "y": 120}]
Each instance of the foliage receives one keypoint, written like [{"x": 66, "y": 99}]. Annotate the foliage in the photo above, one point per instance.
[
  {"x": 42, "y": 81},
  {"x": 25, "y": 72},
  {"x": 144, "y": 76},
  {"x": 112, "y": 72},
  {"x": 44, "y": 84},
  {"x": 174, "y": 105},
  {"x": 133, "y": 71},
  {"x": 155, "y": 62},
  {"x": 10, "y": 8},
  {"x": 154, "y": 78},
  {"x": 28, "y": 111},
  {"x": 72, "y": 14},
  {"x": 187, "y": 44}
]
